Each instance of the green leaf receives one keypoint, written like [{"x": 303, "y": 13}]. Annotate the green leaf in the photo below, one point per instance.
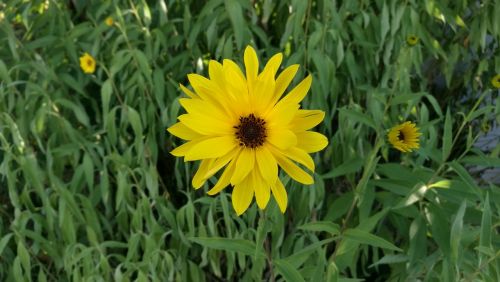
[
  {"x": 347, "y": 167},
  {"x": 364, "y": 237},
  {"x": 5, "y": 240},
  {"x": 332, "y": 273},
  {"x": 460, "y": 170},
  {"x": 286, "y": 270},
  {"x": 135, "y": 121},
  {"x": 456, "y": 232},
  {"x": 298, "y": 258},
  {"x": 447, "y": 136},
  {"x": 106, "y": 91},
  {"x": 384, "y": 25},
  {"x": 485, "y": 237},
  {"x": 391, "y": 259},
  {"x": 233, "y": 245},
  {"x": 235, "y": 14},
  {"x": 321, "y": 226},
  {"x": 358, "y": 117}
]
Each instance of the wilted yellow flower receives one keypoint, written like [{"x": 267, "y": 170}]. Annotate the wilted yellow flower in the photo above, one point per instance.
[
  {"x": 404, "y": 137},
  {"x": 242, "y": 122},
  {"x": 87, "y": 63},
  {"x": 412, "y": 40},
  {"x": 109, "y": 21},
  {"x": 495, "y": 81}
]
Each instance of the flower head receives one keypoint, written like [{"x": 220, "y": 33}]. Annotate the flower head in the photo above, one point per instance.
[
  {"x": 87, "y": 63},
  {"x": 404, "y": 137},
  {"x": 109, "y": 21},
  {"x": 412, "y": 40},
  {"x": 244, "y": 124},
  {"x": 495, "y": 81}
]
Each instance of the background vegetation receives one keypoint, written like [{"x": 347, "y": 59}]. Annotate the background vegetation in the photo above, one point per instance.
[{"x": 89, "y": 192}]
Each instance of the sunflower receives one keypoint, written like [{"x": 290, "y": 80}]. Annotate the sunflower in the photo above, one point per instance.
[
  {"x": 495, "y": 81},
  {"x": 412, "y": 40},
  {"x": 244, "y": 124},
  {"x": 404, "y": 137},
  {"x": 87, "y": 63},
  {"x": 109, "y": 21}
]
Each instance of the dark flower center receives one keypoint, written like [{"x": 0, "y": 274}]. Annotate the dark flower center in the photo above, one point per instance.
[
  {"x": 251, "y": 131},
  {"x": 401, "y": 136},
  {"x": 89, "y": 62}
]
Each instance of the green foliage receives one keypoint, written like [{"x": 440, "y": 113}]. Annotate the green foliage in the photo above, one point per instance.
[{"x": 89, "y": 192}]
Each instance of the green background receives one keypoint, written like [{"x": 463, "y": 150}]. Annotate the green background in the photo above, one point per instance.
[{"x": 89, "y": 191}]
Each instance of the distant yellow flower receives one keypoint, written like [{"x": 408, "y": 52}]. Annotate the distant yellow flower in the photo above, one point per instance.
[
  {"x": 2, "y": 16},
  {"x": 495, "y": 81},
  {"x": 412, "y": 40},
  {"x": 87, "y": 63},
  {"x": 404, "y": 137},
  {"x": 242, "y": 122},
  {"x": 109, "y": 21}
]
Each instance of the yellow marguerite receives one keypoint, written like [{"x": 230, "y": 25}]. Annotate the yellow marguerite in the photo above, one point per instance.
[
  {"x": 87, "y": 63},
  {"x": 109, "y": 21},
  {"x": 412, "y": 40},
  {"x": 242, "y": 122},
  {"x": 404, "y": 137},
  {"x": 495, "y": 81}
]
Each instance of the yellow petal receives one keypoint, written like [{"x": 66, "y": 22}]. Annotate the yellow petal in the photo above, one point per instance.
[
  {"x": 244, "y": 165},
  {"x": 262, "y": 93},
  {"x": 282, "y": 114},
  {"x": 223, "y": 181},
  {"x": 211, "y": 148},
  {"x": 216, "y": 73},
  {"x": 183, "y": 132},
  {"x": 221, "y": 162},
  {"x": 284, "y": 80},
  {"x": 206, "y": 125},
  {"x": 233, "y": 69},
  {"x": 301, "y": 157},
  {"x": 282, "y": 138},
  {"x": 242, "y": 195},
  {"x": 280, "y": 195},
  {"x": 208, "y": 91},
  {"x": 183, "y": 149},
  {"x": 262, "y": 191},
  {"x": 273, "y": 64},
  {"x": 188, "y": 92},
  {"x": 251, "y": 64},
  {"x": 299, "y": 92},
  {"x": 306, "y": 119},
  {"x": 236, "y": 84},
  {"x": 294, "y": 171},
  {"x": 267, "y": 164},
  {"x": 204, "y": 108},
  {"x": 311, "y": 141},
  {"x": 205, "y": 88},
  {"x": 281, "y": 84},
  {"x": 198, "y": 178}
]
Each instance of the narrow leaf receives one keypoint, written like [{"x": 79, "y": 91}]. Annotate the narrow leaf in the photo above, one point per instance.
[
  {"x": 364, "y": 237},
  {"x": 287, "y": 271}
]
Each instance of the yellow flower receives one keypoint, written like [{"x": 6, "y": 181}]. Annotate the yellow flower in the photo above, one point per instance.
[
  {"x": 87, "y": 63},
  {"x": 242, "y": 122},
  {"x": 109, "y": 21},
  {"x": 495, "y": 81},
  {"x": 412, "y": 40},
  {"x": 404, "y": 137}
]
